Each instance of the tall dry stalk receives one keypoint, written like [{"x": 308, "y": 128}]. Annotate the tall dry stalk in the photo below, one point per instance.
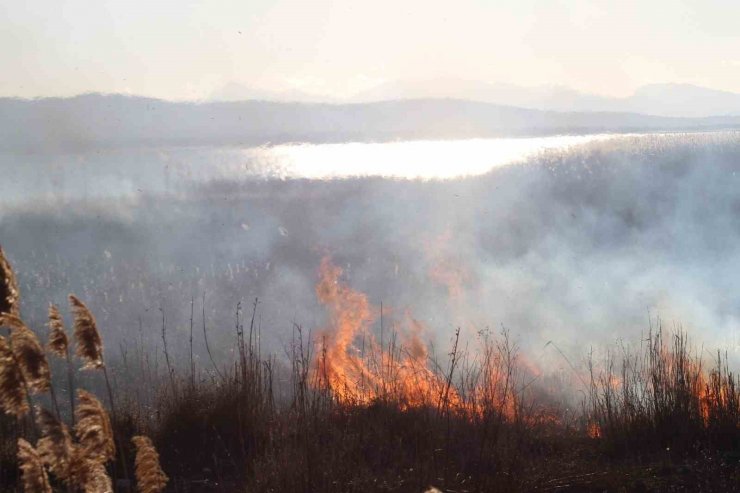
[
  {"x": 58, "y": 341},
  {"x": 205, "y": 338},
  {"x": 13, "y": 393},
  {"x": 94, "y": 431},
  {"x": 30, "y": 358},
  {"x": 9, "y": 292},
  {"x": 192, "y": 361},
  {"x": 59, "y": 345},
  {"x": 88, "y": 475},
  {"x": 55, "y": 447},
  {"x": 90, "y": 349},
  {"x": 149, "y": 475},
  {"x": 78, "y": 466},
  {"x": 170, "y": 369},
  {"x": 89, "y": 343},
  {"x": 28, "y": 353},
  {"x": 35, "y": 479},
  {"x": 96, "y": 479}
]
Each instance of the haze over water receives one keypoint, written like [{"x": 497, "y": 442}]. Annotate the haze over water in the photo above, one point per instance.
[{"x": 128, "y": 173}]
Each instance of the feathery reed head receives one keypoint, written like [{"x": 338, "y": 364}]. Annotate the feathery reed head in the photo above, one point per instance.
[
  {"x": 91, "y": 476},
  {"x": 58, "y": 342},
  {"x": 12, "y": 391},
  {"x": 149, "y": 475},
  {"x": 9, "y": 293},
  {"x": 55, "y": 447},
  {"x": 76, "y": 465},
  {"x": 89, "y": 344},
  {"x": 28, "y": 353},
  {"x": 35, "y": 479},
  {"x": 93, "y": 428}
]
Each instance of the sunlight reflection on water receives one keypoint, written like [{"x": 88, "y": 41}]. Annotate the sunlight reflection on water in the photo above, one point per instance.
[
  {"x": 429, "y": 160},
  {"x": 130, "y": 173}
]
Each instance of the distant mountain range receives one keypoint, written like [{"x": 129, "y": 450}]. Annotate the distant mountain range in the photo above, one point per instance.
[
  {"x": 675, "y": 100},
  {"x": 103, "y": 121}
]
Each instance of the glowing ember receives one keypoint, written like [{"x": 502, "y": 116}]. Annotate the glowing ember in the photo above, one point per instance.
[{"x": 593, "y": 430}]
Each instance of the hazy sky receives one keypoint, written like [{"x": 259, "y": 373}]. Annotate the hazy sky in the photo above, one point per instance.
[{"x": 187, "y": 49}]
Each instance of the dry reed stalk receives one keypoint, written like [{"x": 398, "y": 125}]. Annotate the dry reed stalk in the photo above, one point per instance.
[
  {"x": 98, "y": 480},
  {"x": 35, "y": 479},
  {"x": 29, "y": 354},
  {"x": 58, "y": 342},
  {"x": 55, "y": 447},
  {"x": 93, "y": 428},
  {"x": 88, "y": 475},
  {"x": 13, "y": 395},
  {"x": 149, "y": 475},
  {"x": 89, "y": 343},
  {"x": 90, "y": 349},
  {"x": 59, "y": 345},
  {"x": 9, "y": 292}
]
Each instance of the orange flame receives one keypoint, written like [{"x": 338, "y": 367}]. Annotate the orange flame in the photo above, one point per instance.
[
  {"x": 400, "y": 371},
  {"x": 593, "y": 430},
  {"x": 361, "y": 377}
]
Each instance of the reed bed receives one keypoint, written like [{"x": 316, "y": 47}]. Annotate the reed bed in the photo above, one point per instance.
[
  {"x": 59, "y": 461},
  {"x": 394, "y": 418}
]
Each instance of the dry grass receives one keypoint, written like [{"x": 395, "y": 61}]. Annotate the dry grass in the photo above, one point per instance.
[
  {"x": 55, "y": 446},
  {"x": 149, "y": 475},
  {"x": 24, "y": 370},
  {"x": 474, "y": 422},
  {"x": 13, "y": 392},
  {"x": 663, "y": 397},
  {"x": 28, "y": 354},
  {"x": 58, "y": 341},
  {"x": 9, "y": 292},
  {"x": 89, "y": 343},
  {"x": 93, "y": 429},
  {"x": 35, "y": 479}
]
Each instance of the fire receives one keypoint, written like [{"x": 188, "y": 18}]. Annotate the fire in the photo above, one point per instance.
[
  {"x": 593, "y": 430},
  {"x": 350, "y": 314},
  {"x": 398, "y": 370},
  {"x": 365, "y": 374}
]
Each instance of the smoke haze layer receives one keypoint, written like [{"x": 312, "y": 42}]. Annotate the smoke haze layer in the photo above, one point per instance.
[{"x": 579, "y": 246}]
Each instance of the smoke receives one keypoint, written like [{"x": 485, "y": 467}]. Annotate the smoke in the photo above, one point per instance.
[{"x": 579, "y": 246}]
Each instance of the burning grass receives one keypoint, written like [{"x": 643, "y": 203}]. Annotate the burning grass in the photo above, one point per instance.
[
  {"x": 348, "y": 409},
  {"x": 662, "y": 397}
]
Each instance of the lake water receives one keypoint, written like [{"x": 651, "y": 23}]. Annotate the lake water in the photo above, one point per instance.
[
  {"x": 122, "y": 173},
  {"x": 130, "y": 172}
]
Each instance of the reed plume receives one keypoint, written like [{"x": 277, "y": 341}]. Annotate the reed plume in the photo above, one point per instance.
[
  {"x": 29, "y": 354},
  {"x": 93, "y": 429},
  {"x": 9, "y": 293},
  {"x": 86, "y": 474},
  {"x": 59, "y": 345},
  {"x": 13, "y": 396},
  {"x": 55, "y": 447},
  {"x": 35, "y": 479},
  {"x": 90, "y": 349},
  {"x": 149, "y": 475},
  {"x": 96, "y": 479},
  {"x": 79, "y": 466},
  {"x": 58, "y": 342},
  {"x": 89, "y": 344}
]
